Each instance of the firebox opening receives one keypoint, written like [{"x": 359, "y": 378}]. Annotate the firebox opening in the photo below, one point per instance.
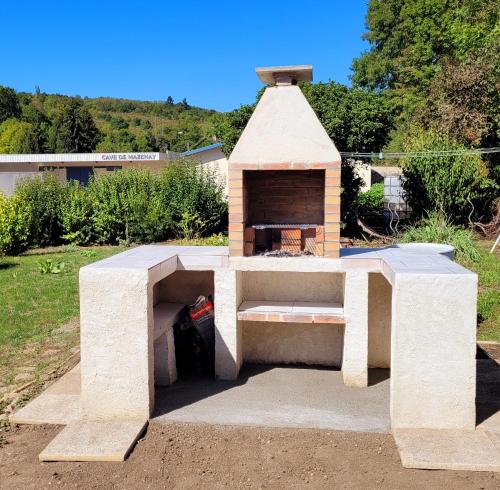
[{"x": 284, "y": 211}]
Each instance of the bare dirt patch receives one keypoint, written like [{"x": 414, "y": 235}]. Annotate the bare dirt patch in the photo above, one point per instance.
[
  {"x": 202, "y": 456},
  {"x": 492, "y": 349}
]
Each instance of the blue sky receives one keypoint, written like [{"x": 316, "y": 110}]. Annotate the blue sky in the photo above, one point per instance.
[{"x": 205, "y": 51}]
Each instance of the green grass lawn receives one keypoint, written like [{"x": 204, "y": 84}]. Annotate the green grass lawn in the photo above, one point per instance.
[
  {"x": 488, "y": 305},
  {"x": 39, "y": 313},
  {"x": 33, "y": 304}
]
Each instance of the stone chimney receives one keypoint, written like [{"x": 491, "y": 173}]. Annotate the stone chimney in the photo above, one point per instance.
[{"x": 284, "y": 174}]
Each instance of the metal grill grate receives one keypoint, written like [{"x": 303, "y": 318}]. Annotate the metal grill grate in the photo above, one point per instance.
[{"x": 267, "y": 226}]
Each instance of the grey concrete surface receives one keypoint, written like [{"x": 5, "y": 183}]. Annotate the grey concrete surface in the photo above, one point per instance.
[
  {"x": 58, "y": 404},
  {"x": 94, "y": 440},
  {"x": 470, "y": 450},
  {"x": 279, "y": 396}
]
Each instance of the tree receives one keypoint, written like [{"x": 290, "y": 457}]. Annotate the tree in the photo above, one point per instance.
[
  {"x": 9, "y": 104},
  {"x": 412, "y": 40},
  {"x": 18, "y": 137},
  {"x": 40, "y": 123},
  {"x": 456, "y": 186},
  {"x": 355, "y": 119},
  {"x": 118, "y": 123},
  {"x": 464, "y": 100},
  {"x": 73, "y": 130},
  {"x": 120, "y": 140}
]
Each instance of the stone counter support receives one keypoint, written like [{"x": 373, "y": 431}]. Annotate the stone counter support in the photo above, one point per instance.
[
  {"x": 355, "y": 355},
  {"x": 116, "y": 309},
  {"x": 433, "y": 365},
  {"x": 228, "y": 346}
]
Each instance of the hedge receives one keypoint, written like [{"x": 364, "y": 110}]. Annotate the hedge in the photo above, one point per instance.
[{"x": 135, "y": 205}]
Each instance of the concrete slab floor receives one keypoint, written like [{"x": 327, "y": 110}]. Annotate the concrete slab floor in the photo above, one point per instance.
[{"x": 279, "y": 396}]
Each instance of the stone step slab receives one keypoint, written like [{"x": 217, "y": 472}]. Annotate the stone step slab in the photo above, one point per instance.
[
  {"x": 468, "y": 450},
  {"x": 94, "y": 440}
]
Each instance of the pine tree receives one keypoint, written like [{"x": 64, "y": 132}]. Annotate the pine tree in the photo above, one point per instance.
[{"x": 74, "y": 130}]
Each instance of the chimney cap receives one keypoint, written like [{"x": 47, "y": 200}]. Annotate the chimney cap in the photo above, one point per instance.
[{"x": 271, "y": 75}]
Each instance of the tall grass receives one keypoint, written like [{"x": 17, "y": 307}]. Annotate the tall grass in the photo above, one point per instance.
[{"x": 437, "y": 229}]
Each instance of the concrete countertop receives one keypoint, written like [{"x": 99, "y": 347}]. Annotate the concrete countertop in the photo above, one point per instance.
[{"x": 158, "y": 259}]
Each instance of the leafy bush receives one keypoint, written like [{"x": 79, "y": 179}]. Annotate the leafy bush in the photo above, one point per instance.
[
  {"x": 44, "y": 196},
  {"x": 15, "y": 224},
  {"x": 195, "y": 199},
  {"x": 437, "y": 229},
  {"x": 372, "y": 200},
  {"x": 457, "y": 186},
  {"x": 128, "y": 206},
  {"x": 351, "y": 185},
  {"x": 76, "y": 215},
  {"x": 217, "y": 240}
]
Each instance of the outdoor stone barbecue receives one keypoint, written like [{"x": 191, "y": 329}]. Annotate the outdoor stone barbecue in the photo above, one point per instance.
[
  {"x": 284, "y": 175},
  {"x": 345, "y": 308}
]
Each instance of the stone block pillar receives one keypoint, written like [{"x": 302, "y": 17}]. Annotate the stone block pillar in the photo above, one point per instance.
[
  {"x": 228, "y": 346},
  {"x": 433, "y": 351},
  {"x": 164, "y": 357},
  {"x": 355, "y": 354}
]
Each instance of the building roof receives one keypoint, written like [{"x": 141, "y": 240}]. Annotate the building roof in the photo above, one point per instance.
[
  {"x": 200, "y": 150},
  {"x": 386, "y": 171},
  {"x": 50, "y": 158}
]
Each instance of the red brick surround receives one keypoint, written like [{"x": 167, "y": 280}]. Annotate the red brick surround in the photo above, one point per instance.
[{"x": 238, "y": 246}]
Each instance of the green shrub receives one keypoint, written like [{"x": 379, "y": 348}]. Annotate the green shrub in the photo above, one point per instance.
[
  {"x": 15, "y": 224},
  {"x": 44, "y": 195},
  {"x": 195, "y": 199},
  {"x": 372, "y": 200},
  {"x": 437, "y": 229},
  {"x": 127, "y": 206},
  {"x": 457, "y": 186},
  {"x": 133, "y": 205},
  {"x": 76, "y": 215},
  {"x": 217, "y": 240},
  {"x": 351, "y": 185}
]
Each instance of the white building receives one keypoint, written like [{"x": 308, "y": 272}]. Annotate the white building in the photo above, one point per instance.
[{"x": 80, "y": 166}]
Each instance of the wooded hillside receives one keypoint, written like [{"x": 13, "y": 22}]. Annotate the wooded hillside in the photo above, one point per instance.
[{"x": 53, "y": 123}]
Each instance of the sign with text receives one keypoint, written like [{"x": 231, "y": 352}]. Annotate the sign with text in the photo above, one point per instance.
[{"x": 120, "y": 157}]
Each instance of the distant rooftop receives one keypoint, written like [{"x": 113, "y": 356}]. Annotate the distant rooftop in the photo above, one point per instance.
[
  {"x": 200, "y": 150},
  {"x": 86, "y": 157},
  {"x": 51, "y": 158}
]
